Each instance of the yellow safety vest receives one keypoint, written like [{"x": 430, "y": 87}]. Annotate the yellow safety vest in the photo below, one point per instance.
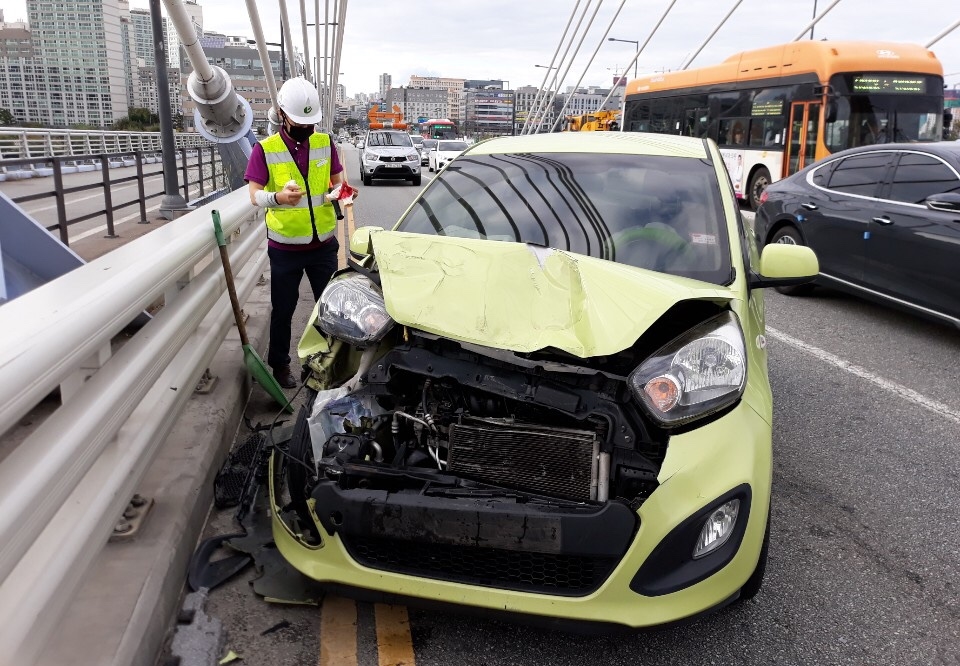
[{"x": 294, "y": 225}]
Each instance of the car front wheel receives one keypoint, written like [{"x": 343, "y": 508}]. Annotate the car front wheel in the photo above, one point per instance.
[{"x": 790, "y": 236}]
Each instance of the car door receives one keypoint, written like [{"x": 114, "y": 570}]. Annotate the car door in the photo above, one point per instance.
[
  {"x": 837, "y": 214},
  {"x": 913, "y": 252}
]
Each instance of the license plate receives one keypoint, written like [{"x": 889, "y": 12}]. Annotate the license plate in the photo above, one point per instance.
[{"x": 394, "y": 166}]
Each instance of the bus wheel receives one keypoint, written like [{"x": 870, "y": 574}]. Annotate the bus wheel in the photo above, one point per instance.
[
  {"x": 790, "y": 236},
  {"x": 759, "y": 182}
]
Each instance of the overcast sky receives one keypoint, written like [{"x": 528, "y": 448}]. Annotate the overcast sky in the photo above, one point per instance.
[{"x": 505, "y": 39}]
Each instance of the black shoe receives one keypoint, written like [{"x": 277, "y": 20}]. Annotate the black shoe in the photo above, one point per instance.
[{"x": 284, "y": 377}]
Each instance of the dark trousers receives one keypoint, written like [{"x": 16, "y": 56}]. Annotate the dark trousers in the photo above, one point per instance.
[{"x": 286, "y": 272}]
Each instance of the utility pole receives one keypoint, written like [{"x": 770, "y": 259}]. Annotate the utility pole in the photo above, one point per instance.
[{"x": 172, "y": 202}]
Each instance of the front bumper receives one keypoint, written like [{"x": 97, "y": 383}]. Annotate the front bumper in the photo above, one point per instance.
[
  {"x": 403, "y": 170},
  {"x": 704, "y": 465}
]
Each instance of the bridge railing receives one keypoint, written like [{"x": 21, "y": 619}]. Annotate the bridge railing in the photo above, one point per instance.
[
  {"x": 63, "y": 488},
  {"x": 199, "y": 166},
  {"x": 27, "y": 142}
]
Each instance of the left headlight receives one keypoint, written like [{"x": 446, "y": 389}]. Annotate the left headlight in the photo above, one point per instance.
[
  {"x": 370, "y": 157},
  {"x": 696, "y": 374},
  {"x": 351, "y": 308}
]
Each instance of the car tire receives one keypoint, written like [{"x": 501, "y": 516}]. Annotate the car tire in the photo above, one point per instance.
[
  {"x": 789, "y": 235},
  {"x": 758, "y": 183},
  {"x": 431, "y": 168},
  {"x": 415, "y": 181},
  {"x": 755, "y": 582},
  {"x": 367, "y": 180}
]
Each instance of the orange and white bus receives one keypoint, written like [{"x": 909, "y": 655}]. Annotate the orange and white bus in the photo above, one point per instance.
[
  {"x": 776, "y": 109},
  {"x": 439, "y": 128}
]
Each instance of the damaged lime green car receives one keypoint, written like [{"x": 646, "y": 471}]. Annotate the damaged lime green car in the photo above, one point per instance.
[{"x": 545, "y": 391}]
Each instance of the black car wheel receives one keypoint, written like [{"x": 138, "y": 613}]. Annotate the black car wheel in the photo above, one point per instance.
[
  {"x": 758, "y": 183},
  {"x": 367, "y": 180},
  {"x": 415, "y": 181},
  {"x": 753, "y": 584},
  {"x": 790, "y": 236}
]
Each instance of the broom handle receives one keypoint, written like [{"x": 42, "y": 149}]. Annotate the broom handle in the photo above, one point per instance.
[{"x": 228, "y": 272}]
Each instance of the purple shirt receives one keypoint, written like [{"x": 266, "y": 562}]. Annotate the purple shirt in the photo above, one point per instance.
[
  {"x": 257, "y": 173},
  {"x": 257, "y": 166}
]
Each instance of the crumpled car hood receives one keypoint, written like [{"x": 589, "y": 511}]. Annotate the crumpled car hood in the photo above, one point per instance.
[{"x": 523, "y": 297}]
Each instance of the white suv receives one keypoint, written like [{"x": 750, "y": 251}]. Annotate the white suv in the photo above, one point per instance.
[{"x": 389, "y": 154}]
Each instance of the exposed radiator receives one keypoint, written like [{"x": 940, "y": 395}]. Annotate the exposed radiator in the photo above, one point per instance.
[{"x": 550, "y": 461}]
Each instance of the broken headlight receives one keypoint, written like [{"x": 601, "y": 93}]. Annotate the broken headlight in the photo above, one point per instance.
[
  {"x": 696, "y": 374},
  {"x": 351, "y": 308}
]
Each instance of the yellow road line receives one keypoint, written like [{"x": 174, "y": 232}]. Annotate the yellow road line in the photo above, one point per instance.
[
  {"x": 338, "y": 632},
  {"x": 394, "y": 645}
]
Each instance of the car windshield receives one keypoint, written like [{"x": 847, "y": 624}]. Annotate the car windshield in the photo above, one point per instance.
[
  {"x": 451, "y": 145},
  {"x": 417, "y": 140},
  {"x": 389, "y": 139},
  {"x": 653, "y": 212},
  {"x": 429, "y": 143}
]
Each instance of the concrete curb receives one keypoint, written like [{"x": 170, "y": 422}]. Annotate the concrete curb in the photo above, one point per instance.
[{"x": 122, "y": 614}]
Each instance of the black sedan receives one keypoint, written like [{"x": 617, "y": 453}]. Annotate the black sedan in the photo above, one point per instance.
[{"x": 884, "y": 221}]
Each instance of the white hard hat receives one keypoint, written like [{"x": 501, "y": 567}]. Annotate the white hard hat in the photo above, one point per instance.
[{"x": 299, "y": 99}]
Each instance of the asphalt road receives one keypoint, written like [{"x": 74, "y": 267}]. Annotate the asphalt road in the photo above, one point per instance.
[
  {"x": 864, "y": 565},
  {"x": 86, "y": 202}
]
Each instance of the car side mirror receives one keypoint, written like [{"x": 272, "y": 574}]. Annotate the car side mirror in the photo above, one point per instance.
[
  {"x": 946, "y": 201},
  {"x": 783, "y": 265},
  {"x": 360, "y": 241}
]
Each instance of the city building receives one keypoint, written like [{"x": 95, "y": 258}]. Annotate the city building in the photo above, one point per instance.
[
  {"x": 73, "y": 73},
  {"x": 453, "y": 87},
  {"x": 525, "y": 98},
  {"x": 489, "y": 109},
  {"x": 418, "y": 104},
  {"x": 241, "y": 61},
  {"x": 386, "y": 82}
]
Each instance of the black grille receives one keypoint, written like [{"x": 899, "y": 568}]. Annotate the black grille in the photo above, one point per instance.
[
  {"x": 504, "y": 569},
  {"x": 390, "y": 158},
  {"x": 550, "y": 461}
]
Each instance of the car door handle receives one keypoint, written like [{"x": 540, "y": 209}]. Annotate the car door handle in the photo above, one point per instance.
[
  {"x": 809, "y": 206},
  {"x": 882, "y": 220}
]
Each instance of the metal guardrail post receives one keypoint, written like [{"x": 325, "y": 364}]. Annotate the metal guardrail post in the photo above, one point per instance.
[
  {"x": 107, "y": 196},
  {"x": 61, "y": 204},
  {"x": 143, "y": 199},
  {"x": 200, "y": 170},
  {"x": 183, "y": 169}
]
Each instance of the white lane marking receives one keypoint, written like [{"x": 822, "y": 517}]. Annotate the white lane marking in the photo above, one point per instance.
[
  {"x": 89, "y": 196},
  {"x": 885, "y": 384},
  {"x": 116, "y": 223}
]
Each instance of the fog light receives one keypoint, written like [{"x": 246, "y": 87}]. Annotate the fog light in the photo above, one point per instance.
[{"x": 717, "y": 529}]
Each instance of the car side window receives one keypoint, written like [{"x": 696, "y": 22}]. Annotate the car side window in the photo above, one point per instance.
[
  {"x": 821, "y": 175},
  {"x": 860, "y": 174},
  {"x": 919, "y": 176}
]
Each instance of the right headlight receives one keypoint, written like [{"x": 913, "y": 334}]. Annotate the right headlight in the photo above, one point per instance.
[
  {"x": 351, "y": 308},
  {"x": 370, "y": 157},
  {"x": 696, "y": 374}
]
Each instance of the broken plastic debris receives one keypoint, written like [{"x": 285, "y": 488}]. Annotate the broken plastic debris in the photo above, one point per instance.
[{"x": 230, "y": 657}]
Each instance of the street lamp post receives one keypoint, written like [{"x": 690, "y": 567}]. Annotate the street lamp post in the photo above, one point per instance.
[{"x": 628, "y": 41}]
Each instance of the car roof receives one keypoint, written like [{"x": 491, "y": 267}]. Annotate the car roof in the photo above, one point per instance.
[
  {"x": 629, "y": 143},
  {"x": 948, "y": 150}
]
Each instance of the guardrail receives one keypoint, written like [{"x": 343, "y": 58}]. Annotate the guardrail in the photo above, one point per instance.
[
  {"x": 23, "y": 142},
  {"x": 58, "y": 166},
  {"x": 64, "y": 487}
]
